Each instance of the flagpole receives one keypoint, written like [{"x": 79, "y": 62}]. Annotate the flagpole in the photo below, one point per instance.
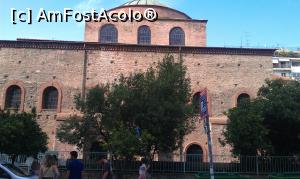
[
  {"x": 209, "y": 143},
  {"x": 205, "y": 116}
]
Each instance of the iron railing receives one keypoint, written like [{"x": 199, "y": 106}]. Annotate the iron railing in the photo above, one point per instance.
[{"x": 188, "y": 163}]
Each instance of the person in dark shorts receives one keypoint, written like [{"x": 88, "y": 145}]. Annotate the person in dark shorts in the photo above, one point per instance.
[
  {"x": 107, "y": 169},
  {"x": 74, "y": 166}
]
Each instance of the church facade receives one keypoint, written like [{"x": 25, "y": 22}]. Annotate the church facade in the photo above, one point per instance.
[{"x": 47, "y": 74}]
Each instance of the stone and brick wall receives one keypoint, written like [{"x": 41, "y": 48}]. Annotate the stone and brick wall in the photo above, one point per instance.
[
  {"x": 195, "y": 30},
  {"x": 226, "y": 73},
  {"x": 36, "y": 69}
]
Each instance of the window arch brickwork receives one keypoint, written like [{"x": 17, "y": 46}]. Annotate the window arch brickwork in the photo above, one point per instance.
[
  {"x": 108, "y": 34},
  {"x": 13, "y": 97},
  {"x": 196, "y": 103},
  {"x": 242, "y": 97},
  {"x": 177, "y": 37},
  {"x": 249, "y": 91},
  {"x": 144, "y": 35},
  {"x": 50, "y": 98},
  {"x": 196, "y": 93},
  {"x": 203, "y": 147},
  {"x": 194, "y": 153},
  {"x": 16, "y": 84},
  {"x": 42, "y": 89}
]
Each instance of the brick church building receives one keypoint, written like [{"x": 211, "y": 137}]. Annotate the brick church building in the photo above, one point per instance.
[{"x": 47, "y": 74}]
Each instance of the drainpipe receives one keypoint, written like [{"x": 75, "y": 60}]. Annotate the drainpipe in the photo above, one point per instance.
[
  {"x": 84, "y": 75},
  {"x": 180, "y": 54}
]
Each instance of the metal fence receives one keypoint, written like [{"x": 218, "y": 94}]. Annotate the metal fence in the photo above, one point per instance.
[
  {"x": 192, "y": 164},
  {"x": 197, "y": 163}
]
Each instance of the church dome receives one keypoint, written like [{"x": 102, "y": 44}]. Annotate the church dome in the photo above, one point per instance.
[
  {"x": 163, "y": 11},
  {"x": 144, "y": 2}
]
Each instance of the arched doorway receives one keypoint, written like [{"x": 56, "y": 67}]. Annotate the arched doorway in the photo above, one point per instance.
[{"x": 194, "y": 153}]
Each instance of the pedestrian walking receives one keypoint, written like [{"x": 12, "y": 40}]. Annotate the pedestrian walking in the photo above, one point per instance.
[
  {"x": 143, "y": 169},
  {"x": 74, "y": 166},
  {"x": 107, "y": 169},
  {"x": 35, "y": 167},
  {"x": 54, "y": 162},
  {"x": 49, "y": 169}
]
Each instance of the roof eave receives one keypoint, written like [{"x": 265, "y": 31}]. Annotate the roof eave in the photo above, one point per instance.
[{"x": 79, "y": 45}]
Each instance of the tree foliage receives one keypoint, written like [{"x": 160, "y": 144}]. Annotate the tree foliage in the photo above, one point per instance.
[
  {"x": 155, "y": 103},
  {"x": 268, "y": 125},
  {"x": 287, "y": 53},
  {"x": 282, "y": 115},
  {"x": 78, "y": 130},
  {"x": 245, "y": 131},
  {"x": 21, "y": 135}
]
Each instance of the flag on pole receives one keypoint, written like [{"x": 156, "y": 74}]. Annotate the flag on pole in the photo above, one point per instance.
[{"x": 203, "y": 104}]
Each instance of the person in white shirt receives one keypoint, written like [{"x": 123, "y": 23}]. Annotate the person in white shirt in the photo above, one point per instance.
[{"x": 143, "y": 169}]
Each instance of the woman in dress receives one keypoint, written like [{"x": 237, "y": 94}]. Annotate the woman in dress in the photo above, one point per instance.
[{"x": 49, "y": 169}]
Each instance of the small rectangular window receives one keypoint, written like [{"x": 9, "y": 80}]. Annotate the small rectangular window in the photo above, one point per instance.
[
  {"x": 296, "y": 64},
  {"x": 285, "y": 64}
]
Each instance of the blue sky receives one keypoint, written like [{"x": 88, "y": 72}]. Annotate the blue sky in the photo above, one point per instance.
[{"x": 253, "y": 23}]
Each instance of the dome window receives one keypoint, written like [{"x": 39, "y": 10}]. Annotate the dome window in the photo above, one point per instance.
[
  {"x": 108, "y": 34},
  {"x": 144, "y": 35},
  {"x": 177, "y": 37}
]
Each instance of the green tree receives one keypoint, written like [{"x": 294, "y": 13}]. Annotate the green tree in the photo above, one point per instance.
[
  {"x": 21, "y": 135},
  {"x": 268, "y": 125},
  {"x": 155, "y": 102},
  {"x": 282, "y": 115},
  {"x": 79, "y": 130},
  {"x": 287, "y": 53},
  {"x": 245, "y": 132}
]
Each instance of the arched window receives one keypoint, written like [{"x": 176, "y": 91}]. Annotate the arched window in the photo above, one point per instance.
[
  {"x": 108, "y": 34},
  {"x": 144, "y": 35},
  {"x": 50, "y": 98},
  {"x": 242, "y": 98},
  {"x": 13, "y": 97},
  {"x": 194, "y": 153},
  {"x": 196, "y": 103},
  {"x": 177, "y": 36}
]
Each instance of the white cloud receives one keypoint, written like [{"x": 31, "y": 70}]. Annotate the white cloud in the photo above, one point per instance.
[{"x": 87, "y": 5}]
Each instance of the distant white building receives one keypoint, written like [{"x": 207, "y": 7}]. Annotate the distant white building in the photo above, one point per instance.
[{"x": 287, "y": 67}]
